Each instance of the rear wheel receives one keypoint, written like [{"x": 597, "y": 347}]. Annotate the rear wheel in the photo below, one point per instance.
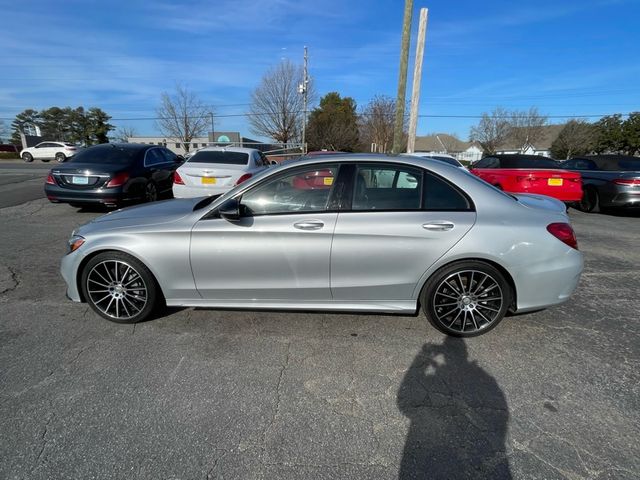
[
  {"x": 150, "y": 192},
  {"x": 590, "y": 200},
  {"x": 27, "y": 157},
  {"x": 60, "y": 157},
  {"x": 466, "y": 298},
  {"x": 119, "y": 288}
]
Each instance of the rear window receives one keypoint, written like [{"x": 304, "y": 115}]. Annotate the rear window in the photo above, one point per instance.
[
  {"x": 112, "y": 155},
  {"x": 213, "y": 156},
  {"x": 448, "y": 160},
  {"x": 526, "y": 162}
]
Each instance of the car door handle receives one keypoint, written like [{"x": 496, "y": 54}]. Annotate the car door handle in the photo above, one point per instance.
[
  {"x": 438, "y": 226},
  {"x": 309, "y": 225}
]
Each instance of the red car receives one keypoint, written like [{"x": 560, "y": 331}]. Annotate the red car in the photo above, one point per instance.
[{"x": 529, "y": 174}]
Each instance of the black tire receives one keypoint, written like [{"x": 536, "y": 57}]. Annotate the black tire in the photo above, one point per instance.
[
  {"x": 60, "y": 157},
  {"x": 27, "y": 157},
  {"x": 130, "y": 291},
  {"x": 150, "y": 193},
  {"x": 460, "y": 299},
  {"x": 590, "y": 201}
]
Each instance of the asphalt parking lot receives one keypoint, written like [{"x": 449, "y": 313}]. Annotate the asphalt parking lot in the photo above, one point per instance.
[{"x": 243, "y": 394}]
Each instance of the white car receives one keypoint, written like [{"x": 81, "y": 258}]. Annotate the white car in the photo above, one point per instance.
[
  {"x": 45, "y": 151},
  {"x": 442, "y": 157},
  {"x": 215, "y": 170}
]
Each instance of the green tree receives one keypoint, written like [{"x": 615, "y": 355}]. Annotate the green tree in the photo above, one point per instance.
[
  {"x": 576, "y": 138},
  {"x": 631, "y": 133},
  {"x": 608, "y": 135},
  {"x": 99, "y": 125},
  {"x": 334, "y": 124}
]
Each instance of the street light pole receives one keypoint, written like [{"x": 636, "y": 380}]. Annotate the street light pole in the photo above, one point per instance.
[{"x": 213, "y": 137}]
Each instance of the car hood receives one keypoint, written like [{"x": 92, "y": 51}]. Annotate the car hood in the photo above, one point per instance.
[
  {"x": 155, "y": 213},
  {"x": 541, "y": 202}
]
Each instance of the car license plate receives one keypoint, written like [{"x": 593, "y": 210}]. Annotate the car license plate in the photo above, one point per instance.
[
  {"x": 80, "y": 180},
  {"x": 208, "y": 180},
  {"x": 555, "y": 182},
  {"x": 328, "y": 180}
]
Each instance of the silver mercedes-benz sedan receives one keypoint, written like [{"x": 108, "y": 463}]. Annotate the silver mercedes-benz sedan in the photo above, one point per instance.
[{"x": 345, "y": 233}]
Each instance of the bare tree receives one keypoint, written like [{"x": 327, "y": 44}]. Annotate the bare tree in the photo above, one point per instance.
[
  {"x": 183, "y": 116},
  {"x": 492, "y": 130},
  {"x": 576, "y": 138},
  {"x": 527, "y": 127},
  {"x": 276, "y": 106},
  {"x": 124, "y": 133},
  {"x": 376, "y": 124},
  {"x": 449, "y": 141}
]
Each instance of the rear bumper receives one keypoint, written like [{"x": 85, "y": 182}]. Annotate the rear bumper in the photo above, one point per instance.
[
  {"x": 546, "y": 283},
  {"x": 623, "y": 199},
  {"x": 187, "y": 191},
  {"x": 101, "y": 196}
]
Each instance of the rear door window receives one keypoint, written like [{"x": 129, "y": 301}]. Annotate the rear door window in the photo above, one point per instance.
[
  {"x": 441, "y": 195},
  {"x": 488, "y": 162},
  {"x": 153, "y": 157},
  {"x": 387, "y": 188}
]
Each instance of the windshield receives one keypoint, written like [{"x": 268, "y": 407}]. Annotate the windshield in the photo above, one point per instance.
[
  {"x": 106, "y": 154},
  {"x": 220, "y": 157}
]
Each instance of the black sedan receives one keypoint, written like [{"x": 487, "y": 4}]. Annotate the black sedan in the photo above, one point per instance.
[
  {"x": 608, "y": 181},
  {"x": 113, "y": 175}
]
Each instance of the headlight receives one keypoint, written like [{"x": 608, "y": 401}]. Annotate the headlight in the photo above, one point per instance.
[{"x": 75, "y": 242}]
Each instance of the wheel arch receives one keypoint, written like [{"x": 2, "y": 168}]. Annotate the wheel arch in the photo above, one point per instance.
[
  {"x": 94, "y": 253},
  {"x": 493, "y": 263}
]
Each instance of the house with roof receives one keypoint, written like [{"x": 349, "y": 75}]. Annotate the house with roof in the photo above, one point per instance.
[
  {"x": 540, "y": 147},
  {"x": 445, "y": 143}
]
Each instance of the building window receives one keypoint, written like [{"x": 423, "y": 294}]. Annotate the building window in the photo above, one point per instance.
[
  {"x": 194, "y": 145},
  {"x": 178, "y": 146}
]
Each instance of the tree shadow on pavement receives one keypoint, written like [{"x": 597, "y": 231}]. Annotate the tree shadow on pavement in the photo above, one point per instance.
[{"x": 458, "y": 416}]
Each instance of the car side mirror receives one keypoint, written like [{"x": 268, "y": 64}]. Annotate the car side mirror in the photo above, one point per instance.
[{"x": 230, "y": 209}]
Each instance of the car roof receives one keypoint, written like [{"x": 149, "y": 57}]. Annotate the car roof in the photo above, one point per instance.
[{"x": 608, "y": 156}]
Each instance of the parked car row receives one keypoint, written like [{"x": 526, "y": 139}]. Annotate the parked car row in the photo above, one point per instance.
[{"x": 588, "y": 182}]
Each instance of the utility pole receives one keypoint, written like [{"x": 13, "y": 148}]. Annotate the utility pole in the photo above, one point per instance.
[
  {"x": 303, "y": 89},
  {"x": 417, "y": 79},
  {"x": 402, "y": 78}
]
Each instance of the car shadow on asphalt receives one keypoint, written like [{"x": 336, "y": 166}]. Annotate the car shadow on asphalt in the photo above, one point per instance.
[{"x": 458, "y": 414}]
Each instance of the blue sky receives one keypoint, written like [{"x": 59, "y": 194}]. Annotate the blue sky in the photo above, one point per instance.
[{"x": 573, "y": 57}]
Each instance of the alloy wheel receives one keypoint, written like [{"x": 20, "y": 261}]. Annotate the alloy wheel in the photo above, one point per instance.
[
  {"x": 150, "y": 192},
  {"x": 468, "y": 301},
  {"x": 117, "y": 289}
]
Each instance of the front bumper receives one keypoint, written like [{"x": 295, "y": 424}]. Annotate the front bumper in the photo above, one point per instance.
[{"x": 69, "y": 269}]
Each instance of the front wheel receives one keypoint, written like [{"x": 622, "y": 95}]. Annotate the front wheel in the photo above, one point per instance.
[
  {"x": 119, "y": 288},
  {"x": 466, "y": 298}
]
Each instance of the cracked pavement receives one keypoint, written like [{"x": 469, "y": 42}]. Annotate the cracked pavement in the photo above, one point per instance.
[{"x": 204, "y": 394}]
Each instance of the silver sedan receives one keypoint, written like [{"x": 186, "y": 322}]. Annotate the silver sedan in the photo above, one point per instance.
[{"x": 346, "y": 233}]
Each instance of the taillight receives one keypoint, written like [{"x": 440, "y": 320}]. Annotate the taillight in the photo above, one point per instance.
[
  {"x": 244, "y": 178},
  {"x": 519, "y": 179},
  {"x": 564, "y": 233},
  {"x": 118, "y": 180},
  {"x": 629, "y": 182},
  {"x": 50, "y": 180},
  {"x": 177, "y": 179}
]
